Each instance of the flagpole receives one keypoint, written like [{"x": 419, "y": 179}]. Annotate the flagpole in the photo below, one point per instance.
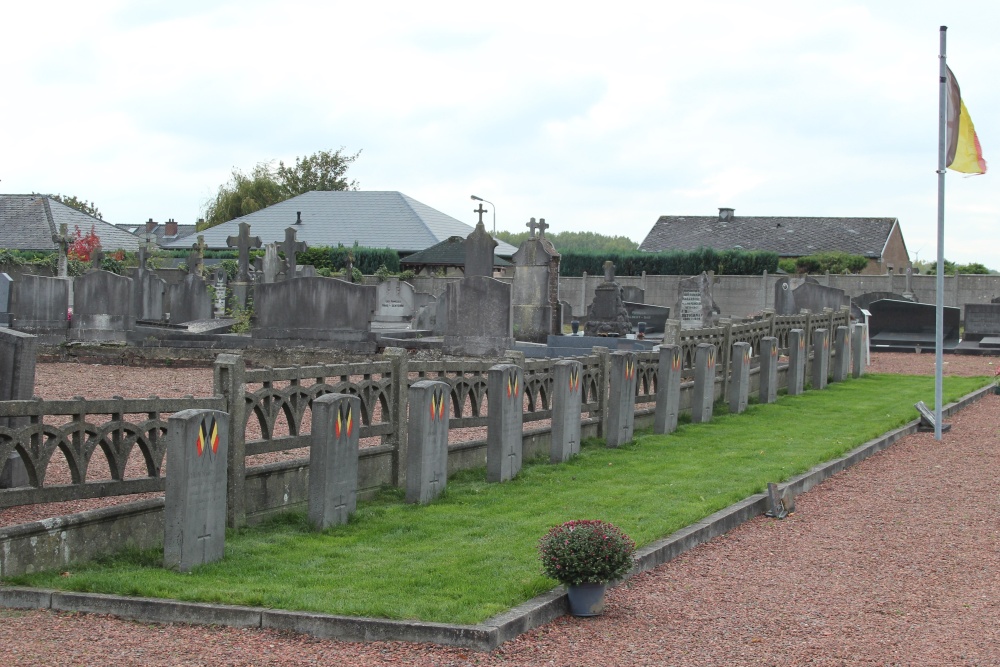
[{"x": 939, "y": 310}]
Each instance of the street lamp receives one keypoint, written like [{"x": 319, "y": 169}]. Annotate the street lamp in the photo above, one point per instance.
[{"x": 475, "y": 198}]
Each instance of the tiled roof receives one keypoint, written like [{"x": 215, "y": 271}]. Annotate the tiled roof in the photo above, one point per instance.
[
  {"x": 372, "y": 219},
  {"x": 450, "y": 252},
  {"x": 27, "y": 222},
  {"x": 787, "y": 236},
  {"x": 159, "y": 232}
]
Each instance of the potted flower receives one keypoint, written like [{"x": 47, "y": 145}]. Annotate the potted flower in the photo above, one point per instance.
[{"x": 586, "y": 556}]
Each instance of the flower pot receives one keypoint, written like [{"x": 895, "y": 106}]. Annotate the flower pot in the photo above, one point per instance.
[{"x": 586, "y": 599}]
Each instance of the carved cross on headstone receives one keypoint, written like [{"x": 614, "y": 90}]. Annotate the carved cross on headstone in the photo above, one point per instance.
[
  {"x": 480, "y": 211},
  {"x": 63, "y": 239},
  {"x": 291, "y": 248},
  {"x": 203, "y": 540},
  {"x": 96, "y": 259},
  {"x": 243, "y": 241},
  {"x": 512, "y": 460},
  {"x": 194, "y": 260},
  {"x": 341, "y": 506},
  {"x": 531, "y": 225},
  {"x": 609, "y": 272},
  {"x": 541, "y": 228}
]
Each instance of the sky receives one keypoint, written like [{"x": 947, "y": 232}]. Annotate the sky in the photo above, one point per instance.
[{"x": 596, "y": 119}]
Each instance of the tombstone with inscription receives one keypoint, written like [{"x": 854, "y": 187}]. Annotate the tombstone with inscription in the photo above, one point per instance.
[
  {"x": 395, "y": 301},
  {"x": 535, "y": 291},
  {"x": 102, "y": 307},
  {"x": 982, "y": 320},
  {"x": 427, "y": 441},
  {"x": 695, "y": 306},
  {"x": 194, "y": 505},
  {"x": 219, "y": 283},
  {"x": 333, "y": 459},
  {"x": 479, "y": 250},
  {"x": 607, "y": 315}
]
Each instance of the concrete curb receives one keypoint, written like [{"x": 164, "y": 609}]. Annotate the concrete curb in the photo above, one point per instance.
[{"x": 482, "y": 637}]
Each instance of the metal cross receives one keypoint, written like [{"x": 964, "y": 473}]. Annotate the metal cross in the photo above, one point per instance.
[
  {"x": 480, "y": 211},
  {"x": 291, "y": 248},
  {"x": 243, "y": 241}
]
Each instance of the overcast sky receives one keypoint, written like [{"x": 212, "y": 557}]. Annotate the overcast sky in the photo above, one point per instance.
[{"x": 593, "y": 116}]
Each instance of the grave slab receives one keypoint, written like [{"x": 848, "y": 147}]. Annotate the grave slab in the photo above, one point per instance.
[
  {"x": 567, "y": 403},
  {"x": 505, "y": 387},
  {"x": 333, "y": 459},
  {"x": 427, "y": 441},
  {"x": 621, "y": 398}
]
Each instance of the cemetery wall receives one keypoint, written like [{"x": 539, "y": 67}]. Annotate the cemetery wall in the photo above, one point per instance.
[{"x": 122, "y": 429}]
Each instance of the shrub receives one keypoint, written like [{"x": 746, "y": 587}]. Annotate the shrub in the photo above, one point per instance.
[{"x": 580, "y": 552}]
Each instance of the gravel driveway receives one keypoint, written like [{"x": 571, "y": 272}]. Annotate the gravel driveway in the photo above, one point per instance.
[{"x": 893, "y": 562}]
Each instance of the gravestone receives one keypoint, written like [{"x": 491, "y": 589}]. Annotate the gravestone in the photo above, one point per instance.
[
  {"x": 793, "y": 295},
  {"x": 148, "y": 291},
  {"x": 41, "y": 307},
  {"x": 63, "y": 240},
  {"x": 6, "y": 290},
  {"x": 908, "y": 290},
  {"x": 292, "y": 248},
  {"x": 505, "y": 384},
  {"x": 704, "y": 383},
  {"x": 567, "y": 402},
  {"x": 768, "y": 370},
  {"x": 244, "y": 243},
  {"x": 982, "y": 320},
  {"x": 927, "y": 420},
  {"x": 102, "y": 307},
  {"x": 821, "y": 358},
  {"x": 333, "y": 459},
  {"x": 859, "y": 349},
  {"x": 607, "y": 315},
  {"x": 427, "y": 441},
  {"x": 305, "y": 271},
  {"x": 655, "y": 317},
  {"x": 739, "y": 385},
  {"x": 425, "y": 318},
  {"x": 189, "y": 300},
  {"x": 18, "y": 353},
  {"x": 394, "y": 301},
  {"x": 865, "y": 300},
  {"x": 796, "y": 362},
  {"x": 907, "y": 325},
  {"x": 219, "y": 283},
  {"x": 668, "y": 389},
  {"x": 535, "y": 288},
  {"x": 478, "y": 321},
  {"x": 479, "y": 249},
  {"x": 695, "y": 306},
  {"x": 195, "y": 499},
  {"x": 633, "y": 294},
  {"x": 621, "y": 398},
  {"x": 271, "y": 266},
  {"x": 842, "y": 354},
  {"x": 314, "y": 309}
]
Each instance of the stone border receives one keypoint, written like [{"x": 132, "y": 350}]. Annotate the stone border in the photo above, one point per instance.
[{"x": 482, "y": 637}]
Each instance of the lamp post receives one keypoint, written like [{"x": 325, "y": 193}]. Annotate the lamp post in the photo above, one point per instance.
[{"x": 475, "y": 198}]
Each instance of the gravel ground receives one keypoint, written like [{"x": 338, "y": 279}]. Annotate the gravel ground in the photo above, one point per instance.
[{"x": 892, "y": 562}]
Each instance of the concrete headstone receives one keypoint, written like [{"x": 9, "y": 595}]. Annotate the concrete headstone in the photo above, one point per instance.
[
  {"x": 505, "y": 384},
  {"x": 768, "y": 369},
  {"x": 621, "y": 398},
  {"x": 821, "y": 358},
  {"x": 427, "y": 441},
  {"x": 668, "y": 389},
  {"x": 567, "y": 401},
  {"x": 842, "y": 354},
  {"x": 695, "y": 306},
  {"x": 704, "y": 383},
  {"x": 333, "y": 459},
  {"x": 796, "y": 361},
  {"x": 739, "y": 384},
  {"x": 394, "y": 301}
]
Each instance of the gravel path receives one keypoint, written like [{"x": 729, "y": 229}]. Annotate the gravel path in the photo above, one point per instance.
[{"x": 892, "y": 562}]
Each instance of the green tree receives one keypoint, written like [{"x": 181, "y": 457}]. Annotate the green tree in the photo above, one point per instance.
[
  {"x": 82, "y": 205},
  {"x": 265, "y": 185},
  {"x": 577, "y": 241}
]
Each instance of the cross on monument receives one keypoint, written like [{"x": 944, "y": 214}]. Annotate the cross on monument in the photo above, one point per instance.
[
  {"x": 433, "y": 483},
  {"x": 63, "y": 239},
  {"x": 480, "y": 211},
  {"x": 609, "y": 272},
  {"x": 511, "y": 459},
  {"x": 195, "y": 259},
  {"x": 142, "y": 252},
  {"x": 541, "y": 228},
  {"x": 243, "y": 241},
  {"x": 531, "y": 225},
  {"x": 96, "y": 258},
  {"x": 203, "y": 542},
  {"x": 291, "y": 248},
  {"x": 341, "y": 506}
]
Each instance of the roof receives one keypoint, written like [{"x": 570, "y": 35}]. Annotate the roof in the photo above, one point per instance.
[
  {"x": 27, "y": 222},
  {"x": 159, "y": 232},
  {"x": 450, "y": 252},
  {"x": 369, "y": 218},
  {"x": 786, "y": 236}
]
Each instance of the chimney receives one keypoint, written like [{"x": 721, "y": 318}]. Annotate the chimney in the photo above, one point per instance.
[
  {"x": 170, "y": 228},
  {"x": 150, "y": 225},
  {"x": 726, "y": 214},
  {"x": 298, "y": 217}
]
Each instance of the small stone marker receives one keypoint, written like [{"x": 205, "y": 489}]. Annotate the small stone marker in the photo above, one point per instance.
[
  {"x": 621, "y": 398},
  {"x": 796, "y": 361},
  {"x": 739, "y": 384},
  {"x": 859, "y": 349},
  {"x": 842, "y": 350},
  {"x": 195, "y": 499},
  {"x": 567, "y": 402},
  {"x": 668, "y": 389},
  {"x": 776, "y": 508},
  {"x": 927, "y": 418},
  {"x": 505, "y": 387},
  {"x": 768, "y": 369},
  {"x": 704, "y": 383},
  {"x": 821, "y": 358},
  {"x": 333, "y": 459},
  {"x": 427, "y": 441}
]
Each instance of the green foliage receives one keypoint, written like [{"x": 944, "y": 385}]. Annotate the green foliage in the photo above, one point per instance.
[
  {"x": 231, "y": 267},
  {"x": 787, "y": 264},
  {"x": 577, "y": 242},
  {"x": 11, "y": 257},
  {"x": 674, "y": 263},
  {"x": 264, "y": 186},
  {"x": 586, "y": 552},
  {"x": 833, "y": 261},
  {"x": 367, "y": 260},
  {"x": 951, "y": 268},
  {"x": 82, "y": 205}
]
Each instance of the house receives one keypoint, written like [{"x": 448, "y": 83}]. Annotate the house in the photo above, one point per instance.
[
  {"x": 371, "y": 219},
  {"x": 28, "y": 222},
  {"x": 152, "y": 232},
  {"x": 878, "y": 239}
]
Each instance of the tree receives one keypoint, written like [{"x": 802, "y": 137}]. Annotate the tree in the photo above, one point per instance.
[
  {"x": 83, "y": 245},
  {"x": 82, "y": 205},
  {"x": 264, "y": 185},
  {"x": 576, "y": 241}
]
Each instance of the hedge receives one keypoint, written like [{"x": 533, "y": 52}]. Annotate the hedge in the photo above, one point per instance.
[{"x": 674, "y": 263}]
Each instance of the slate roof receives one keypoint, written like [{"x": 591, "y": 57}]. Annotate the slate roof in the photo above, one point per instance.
[
  {"x": 450, "y": 252},
  {"x": 159, "y": 232},
  {"x": 27, "y": 222},
  {"x": 787, "y": 236},
  {"x": 371, "y": 218}
]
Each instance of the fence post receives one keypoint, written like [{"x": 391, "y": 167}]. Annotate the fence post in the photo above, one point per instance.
[
  {"x": 604, "y": 363},
  {"x": 229, "y": 381},
  {"x": 400, "y": 397}
]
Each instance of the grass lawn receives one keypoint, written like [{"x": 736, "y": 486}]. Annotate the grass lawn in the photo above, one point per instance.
[{"x": 472, "y": 553}]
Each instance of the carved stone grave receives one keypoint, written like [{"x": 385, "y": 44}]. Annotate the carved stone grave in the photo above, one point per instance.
[
  {"x": 704, "y": 383},
  {"x": 796, "y": 362},
  {"x": 621, "y": 398},
  {"x": 668, "y": 389},
  {"x": 739, "y": 384},
  {"x": 505, "y": 384},
  {"x": 567, "y": 401},
  {"x": 333, "y": 459},
  {"x": 821, "y": 358},
  {"x": 768, "y": 369},
  {"x": 427, "y": 441}
]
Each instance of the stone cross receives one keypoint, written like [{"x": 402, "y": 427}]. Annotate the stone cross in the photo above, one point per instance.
[
  {"x": 142, "y": 257},
  {"x": 349, "y": 267},
  {"x": 531, "y": 225},
  {"x": 291, "y": 248},
  {"x": 480, "y": 211},
  {"x": 63, "y": 239},
  {"x": 194, "y": 260},
  {"x": 609, "y": 272},
  {"x": 96, "y": 258},
  {"x": 541, "y": 228},
  {"x": 243, "y": 241}
]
